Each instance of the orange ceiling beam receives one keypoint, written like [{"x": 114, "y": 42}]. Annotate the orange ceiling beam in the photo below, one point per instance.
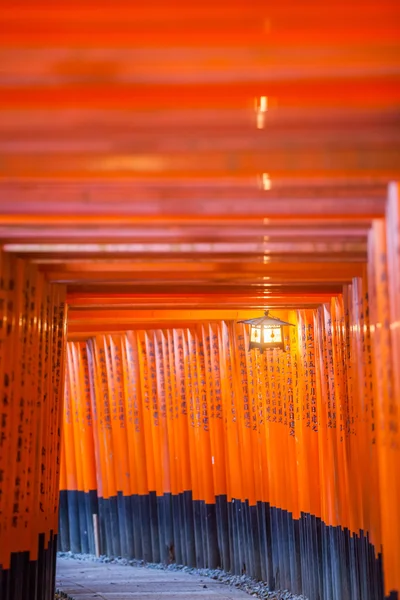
[
  {"x": 135, "y": 165},
  {"x": 237, "y": 24}
]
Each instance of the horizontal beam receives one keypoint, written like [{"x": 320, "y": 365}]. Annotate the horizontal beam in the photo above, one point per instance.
[
  {"x": 131, "y": 290},
  {"x": 379, "y": 91},
  {"x": 110, "y": 131},
  {"x": 277, "y": 252},
  {"x": 271, "y": 273},
  {"x": 220, "y": 25},
  {"x": 110, "y": 305},
  {"x": 364, "y": 162},
  {"x": 195, "y": 199},
  {"x": 137, "y": 316},
  {"x": 202, "y": 64},
  {"x": 86, "y": 299}
]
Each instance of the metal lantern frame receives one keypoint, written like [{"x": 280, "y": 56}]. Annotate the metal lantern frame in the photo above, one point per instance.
[{"x": 266, "y": 332}]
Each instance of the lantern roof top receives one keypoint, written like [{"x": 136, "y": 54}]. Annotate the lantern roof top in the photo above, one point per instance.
[{"x": 266, "y": 320}]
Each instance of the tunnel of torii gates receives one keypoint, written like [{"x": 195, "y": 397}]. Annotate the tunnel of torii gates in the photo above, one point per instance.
[{"x": 166, "y": 171}]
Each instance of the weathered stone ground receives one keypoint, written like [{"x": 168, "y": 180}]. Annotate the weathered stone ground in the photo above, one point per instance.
[
  {"x": 105, "y": 581},
  {"x": 84, "y": 577}
]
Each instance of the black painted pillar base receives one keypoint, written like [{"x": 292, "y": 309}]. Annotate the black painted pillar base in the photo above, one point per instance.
[
  {"x": 31, "y": 580},
  {"x": 302, "y": 555}
]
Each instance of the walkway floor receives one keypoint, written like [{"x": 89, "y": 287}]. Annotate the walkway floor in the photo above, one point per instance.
[{"x": 90, "y": 580}]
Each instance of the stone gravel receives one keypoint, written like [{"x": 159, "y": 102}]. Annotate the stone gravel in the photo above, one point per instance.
[{"x": 256, "y": 589}]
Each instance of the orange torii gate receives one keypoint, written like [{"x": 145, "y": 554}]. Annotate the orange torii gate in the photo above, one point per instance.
[{"x": 169, "y": 164}]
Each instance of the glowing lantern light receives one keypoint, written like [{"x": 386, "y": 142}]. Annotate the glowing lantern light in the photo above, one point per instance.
[{"x": 266, "y": 332}]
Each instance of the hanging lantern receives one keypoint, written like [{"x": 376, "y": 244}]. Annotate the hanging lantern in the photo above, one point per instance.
[{"x": 266, "y": 332}]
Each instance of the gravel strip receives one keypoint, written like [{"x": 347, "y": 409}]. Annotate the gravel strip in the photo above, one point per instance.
[{"x": 256, "y": 589}]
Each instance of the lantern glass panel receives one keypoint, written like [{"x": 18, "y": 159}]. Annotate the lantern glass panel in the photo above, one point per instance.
[
  {"x": 272, "y": 335},
  {"x": 255, "y": 335}
]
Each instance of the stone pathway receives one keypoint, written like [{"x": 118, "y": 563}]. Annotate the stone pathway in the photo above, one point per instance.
[{"x": 105, "y": 581}]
